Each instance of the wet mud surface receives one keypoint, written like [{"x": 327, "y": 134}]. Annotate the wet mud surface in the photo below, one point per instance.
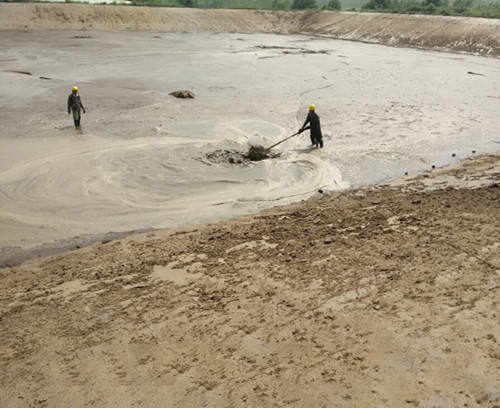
[
  {"x": 228, "y": 157},
  {"x": 134, "y": 164},
  {"x": 254, "y": 154}
]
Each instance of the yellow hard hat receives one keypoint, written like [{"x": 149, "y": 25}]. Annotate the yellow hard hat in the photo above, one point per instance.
[
  {"x": 312, "y": 107},
  {"x": 75, "y": 88}
]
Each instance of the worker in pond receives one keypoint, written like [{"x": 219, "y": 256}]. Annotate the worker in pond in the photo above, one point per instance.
[
  {"x": 75, "y": 105},
  {"x": 313, "y": 121}
]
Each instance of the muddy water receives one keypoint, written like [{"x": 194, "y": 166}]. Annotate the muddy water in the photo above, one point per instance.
[{"x": 139, "y": 160}]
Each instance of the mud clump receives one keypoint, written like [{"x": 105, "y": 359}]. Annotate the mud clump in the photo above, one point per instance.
[
  {"x": 256, "y": 153},
  {"x": 227, "y": 156},
  {"x": 184, "y": 93}
]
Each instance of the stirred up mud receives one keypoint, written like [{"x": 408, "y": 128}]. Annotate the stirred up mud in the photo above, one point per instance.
[
  {"x": 134, "y": 163},
  {"x": 255, "y": 153}
]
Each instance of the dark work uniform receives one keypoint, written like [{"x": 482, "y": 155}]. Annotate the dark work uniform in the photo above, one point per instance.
[
  {"x": 316, "y": 135},
  {"x": 75, "y": 105}
]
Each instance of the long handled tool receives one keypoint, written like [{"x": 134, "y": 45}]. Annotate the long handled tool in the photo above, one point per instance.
[{"x": 281, "y": 141}]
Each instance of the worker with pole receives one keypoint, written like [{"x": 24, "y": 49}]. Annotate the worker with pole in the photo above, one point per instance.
[
  {"x": 314, "y": 125},
  {"x": 259, "y": 153}
]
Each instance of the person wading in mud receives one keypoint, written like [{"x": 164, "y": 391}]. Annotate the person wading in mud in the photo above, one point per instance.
[
  {"x": 74, "y": 105},
  {"x": 313, "y": 121}
]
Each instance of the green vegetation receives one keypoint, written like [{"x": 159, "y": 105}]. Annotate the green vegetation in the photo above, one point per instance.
[
  {"x": 220, "y": 4},
  {"x": 333, "y": 5},
  {"x": 442, "y": 7},
  {"x": 472, "y": 8},
  {"x": 469, "y": 8},
  {"x": 304, "y": 4},
  {"x": 157, "y": 3}
]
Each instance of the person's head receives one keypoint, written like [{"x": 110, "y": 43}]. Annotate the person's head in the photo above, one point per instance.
[
  {"x": 312, "y": 108},
  {"x": 74, "y": 89}
]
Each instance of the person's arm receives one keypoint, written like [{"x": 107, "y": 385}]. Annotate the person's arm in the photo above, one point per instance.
[
  {"x": 304, "y": 125},
  {"x": 69, "y": 104}
]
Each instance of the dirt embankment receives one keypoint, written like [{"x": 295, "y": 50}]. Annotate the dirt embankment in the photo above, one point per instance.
[
  {"x": 380, "y": 297},
  {"x": 458, "y": 34}
]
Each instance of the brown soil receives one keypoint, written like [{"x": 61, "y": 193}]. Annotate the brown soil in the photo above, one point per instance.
[
  {"x": 385, "y": 296},
  {"x": 380, "y": 297},
  {"x": 458, "y": 34}
]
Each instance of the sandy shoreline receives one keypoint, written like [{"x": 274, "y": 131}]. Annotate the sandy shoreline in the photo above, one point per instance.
[{"x": 382, "y": 296}]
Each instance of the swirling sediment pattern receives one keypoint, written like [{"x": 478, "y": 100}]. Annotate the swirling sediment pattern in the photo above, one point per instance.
[{"x": 137, "y": 162}]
